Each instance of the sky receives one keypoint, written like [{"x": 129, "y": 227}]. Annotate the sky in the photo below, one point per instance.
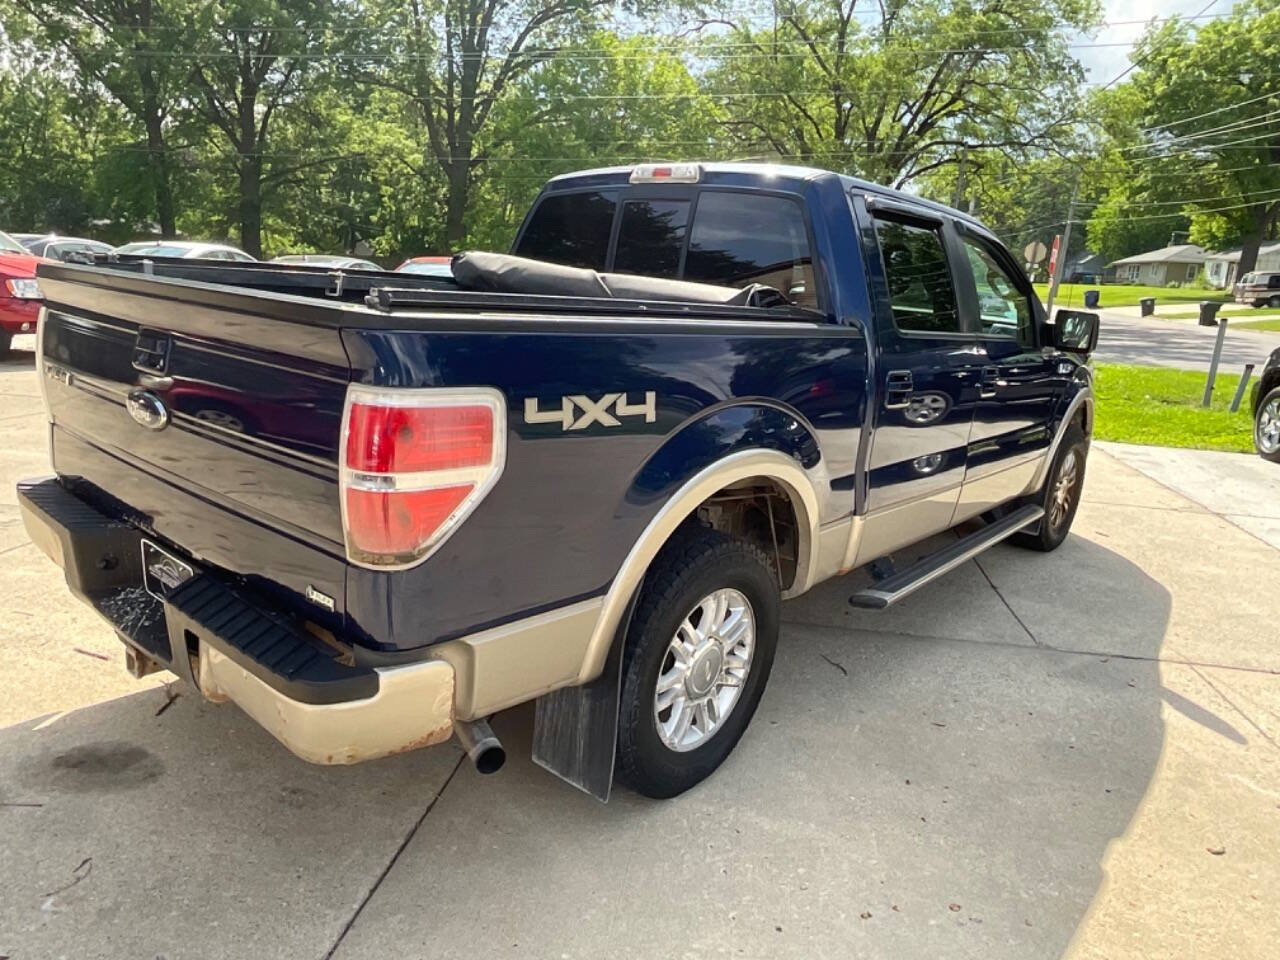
[{"x": 1104, "y": 63}]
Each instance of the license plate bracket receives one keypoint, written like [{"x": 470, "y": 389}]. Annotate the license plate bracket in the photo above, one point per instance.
[{"x": 162, "y": 572}]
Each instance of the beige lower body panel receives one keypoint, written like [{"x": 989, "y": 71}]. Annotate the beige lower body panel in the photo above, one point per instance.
[
  {"x": 507, "y": 665},
  {"x": 980, "y": 495},
  {"x": 412, "y": 708},
  {"x": 905, "y": 523}
]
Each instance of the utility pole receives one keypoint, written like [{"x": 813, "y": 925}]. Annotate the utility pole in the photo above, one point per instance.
[
  {"x": 1066, "y": 246},
  {"x": 959, "y": 195}
]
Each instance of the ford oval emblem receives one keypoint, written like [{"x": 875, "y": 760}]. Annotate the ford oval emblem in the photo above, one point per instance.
[{"x": 147, "y": 409}]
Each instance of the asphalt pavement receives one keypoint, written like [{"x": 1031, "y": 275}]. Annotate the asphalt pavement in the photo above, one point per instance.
[{"x": 1183, "y": 344}]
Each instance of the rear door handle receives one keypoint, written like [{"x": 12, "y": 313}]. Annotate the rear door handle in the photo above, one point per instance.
[
  {"x": 898, "y": 389},
  {"x": 990, "y": 380}
]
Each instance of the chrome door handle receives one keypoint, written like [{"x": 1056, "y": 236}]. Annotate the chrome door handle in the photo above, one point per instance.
[{"x": 990, "y": 381}]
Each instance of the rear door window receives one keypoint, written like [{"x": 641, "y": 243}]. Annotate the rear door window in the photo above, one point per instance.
[
  {"x": 570, "y": 228},
  {"x": 921, "y": 292},
  {"x": 651, "y": 237},
  {"x": 741, "y": 238}
]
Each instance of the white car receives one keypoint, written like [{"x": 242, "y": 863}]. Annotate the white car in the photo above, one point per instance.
[{"x": 184, "y": 249}]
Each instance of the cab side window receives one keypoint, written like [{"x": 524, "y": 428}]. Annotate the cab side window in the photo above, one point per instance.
[
  {"x": 921, "y": 293},
  {"x": 1002, "y": 310}
]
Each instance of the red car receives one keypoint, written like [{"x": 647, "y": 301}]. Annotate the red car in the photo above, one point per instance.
[
  {"x": 20, "y": 295},
  {"x": 428, "y": 266}
]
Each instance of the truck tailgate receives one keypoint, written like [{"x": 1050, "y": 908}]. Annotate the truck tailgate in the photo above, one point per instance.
[{"x": 201, "y": 415}]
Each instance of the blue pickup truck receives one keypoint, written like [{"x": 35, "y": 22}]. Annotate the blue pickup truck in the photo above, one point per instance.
[{"x": 373, "y": 510}]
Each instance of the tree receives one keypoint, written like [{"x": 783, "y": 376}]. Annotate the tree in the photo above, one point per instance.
[
  {"x": 916, "y": 88},
  {"x": 1208, "y": 104},
  {"x": 121, "y": 45},
  {"x": 453, "y": 62},
  {"x": 252, "y": 72}
]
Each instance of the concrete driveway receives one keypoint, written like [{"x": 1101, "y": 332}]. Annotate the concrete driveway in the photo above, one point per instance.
[
  {"x": 1038, "y": 756},
  {"x": 1183, "y": 344}
]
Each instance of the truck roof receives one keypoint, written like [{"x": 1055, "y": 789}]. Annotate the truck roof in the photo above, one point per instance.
[{"x": 743, "y": 174}]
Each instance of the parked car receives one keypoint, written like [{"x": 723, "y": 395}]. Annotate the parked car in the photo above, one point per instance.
[
  {"x": 427, "y": 267},
  {"x": 20, "y": 294},
  {"x": 184, "y": 249},
  {"x": 66, "y": 248},
  {"x": 1265, "y": 399},
  {"x": 588, "y": 477},
  {"x": 1260, "y": 288},
  {"x": 331, "y": 261}
]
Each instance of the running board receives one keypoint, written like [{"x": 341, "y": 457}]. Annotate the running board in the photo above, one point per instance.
[{"x": 892, "y": 589}]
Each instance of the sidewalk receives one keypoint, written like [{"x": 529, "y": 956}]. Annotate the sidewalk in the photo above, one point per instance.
[{"x": 1241, "y": 488}]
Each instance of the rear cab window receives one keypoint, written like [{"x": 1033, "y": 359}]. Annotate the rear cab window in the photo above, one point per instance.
[
  {"x": 726, "y": 237},
  {"x": 571, "y": 228},
  {"x": 922, "y": 294}
]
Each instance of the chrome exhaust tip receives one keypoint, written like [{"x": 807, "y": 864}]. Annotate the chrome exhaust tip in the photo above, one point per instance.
[{"x": 482, "y": 746}]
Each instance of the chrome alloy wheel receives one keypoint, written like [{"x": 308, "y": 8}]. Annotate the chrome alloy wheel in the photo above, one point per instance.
[
  {"x": 1268, "y": 428},
  {"x": 1064, "y": 489},
  {"x": 704, "y": 669}
]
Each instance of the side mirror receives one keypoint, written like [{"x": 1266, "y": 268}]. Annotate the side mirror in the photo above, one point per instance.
[{"x": 1075, "y": 331}]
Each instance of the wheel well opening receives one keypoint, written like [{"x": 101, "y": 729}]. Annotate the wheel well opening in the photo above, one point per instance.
[{"x": 759, "y": 510}]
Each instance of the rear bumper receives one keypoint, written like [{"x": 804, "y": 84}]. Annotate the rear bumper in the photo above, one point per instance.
[
  {"x": 18, "y": 315},
  {"x": 231, "y": 646}
]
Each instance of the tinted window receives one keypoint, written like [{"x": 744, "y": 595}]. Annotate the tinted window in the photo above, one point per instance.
[
  {"x": 739, "y": 238},
  {"x": 1002, "y": 310},
  {"x": 570, "y": 228},
  {"x": 651, "y": 237},
  {"x": 920, "y": 289}
]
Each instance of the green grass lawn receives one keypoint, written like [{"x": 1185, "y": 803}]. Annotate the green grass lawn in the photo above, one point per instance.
[
  {"x": 1127, "y": 295},
  {"x": 1162, "y": 407},
  {"x": 1271, "y": 322},
  {"x": 1243, "y": 315}
]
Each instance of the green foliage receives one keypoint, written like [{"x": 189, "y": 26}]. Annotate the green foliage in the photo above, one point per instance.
[
  {"x": 1162, "y": 407},
  {"x": 1197, "y": 134}
]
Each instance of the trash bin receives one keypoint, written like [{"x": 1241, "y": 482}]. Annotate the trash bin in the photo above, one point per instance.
[
  {"x": 1091, "y": 299},
  {"x": 1148, "y": 306},
  {"x": 1209, "y": 312}
]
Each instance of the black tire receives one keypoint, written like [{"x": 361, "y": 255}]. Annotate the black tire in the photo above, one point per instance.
[
  {"x": 1054, "y": 526},
  {"x": 1274, "y": 301},
  {"x": 1260, "y": 442},
  {"x": 694, "y": 566},
  {"x": 6, "y": 341}
]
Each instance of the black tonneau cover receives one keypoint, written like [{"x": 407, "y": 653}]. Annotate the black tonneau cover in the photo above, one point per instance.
[{"x": 503, "y": 273}]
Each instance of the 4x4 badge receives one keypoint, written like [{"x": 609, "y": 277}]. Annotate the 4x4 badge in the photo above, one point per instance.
[{"x": 604, "y": 411}]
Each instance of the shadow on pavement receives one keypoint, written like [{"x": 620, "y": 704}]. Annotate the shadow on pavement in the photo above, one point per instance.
[{"x": 894, "y": 797}]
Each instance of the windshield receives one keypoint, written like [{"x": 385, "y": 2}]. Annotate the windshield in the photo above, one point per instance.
[
  {"x": 10, "y": 245},
  {"x": 155, "y": 249},
  {"x": 428, "y": 269}
]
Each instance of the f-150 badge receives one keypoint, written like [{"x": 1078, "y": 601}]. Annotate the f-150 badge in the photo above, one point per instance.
[{"x": 577, "y": 412}]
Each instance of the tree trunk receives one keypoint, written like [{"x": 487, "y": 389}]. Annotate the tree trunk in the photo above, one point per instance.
[
  {"x": 455, "y": 230},
  {"x": 157, "y": 156},
  {"x": 251, "y": 204},
  {"x": 158, "y": 159},
  {"x": 250, "y": 172}
]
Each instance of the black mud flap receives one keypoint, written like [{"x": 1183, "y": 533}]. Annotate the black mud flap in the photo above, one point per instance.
[{"x": 575, "y": 729}]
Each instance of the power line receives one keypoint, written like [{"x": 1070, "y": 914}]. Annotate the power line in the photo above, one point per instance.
[{"x": 1209, "y": 113}]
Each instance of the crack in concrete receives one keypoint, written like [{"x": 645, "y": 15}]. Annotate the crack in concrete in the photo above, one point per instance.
[
  {"x": 1040, "y": 648},
  {"x": 1007, "y": 605},
  {"x": 413, "y": 832},
  {"x": 1247, "y": 719}
]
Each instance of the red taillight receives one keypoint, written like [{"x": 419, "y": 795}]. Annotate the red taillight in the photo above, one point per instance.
[
  {"x": 410, "y": 439},
  {"x": 415, "y": 463}
]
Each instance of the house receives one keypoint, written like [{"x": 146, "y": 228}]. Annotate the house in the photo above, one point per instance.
[
  {"x": 1176, "y": 263},
  {"x": 1221, "y": 268}
]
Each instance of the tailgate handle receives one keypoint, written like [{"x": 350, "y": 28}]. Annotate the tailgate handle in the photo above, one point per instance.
[{"x": 151, "y": 351}]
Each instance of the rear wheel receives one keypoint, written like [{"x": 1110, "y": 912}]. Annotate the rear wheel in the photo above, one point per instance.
[
  {"x": 1266, "y": 426},
  {"x": 1060, "y": 495},
  {"x": 697, "y": 657},
  {"x": 1274, "y": 301},
  {"x": 6, "y": 341}
]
